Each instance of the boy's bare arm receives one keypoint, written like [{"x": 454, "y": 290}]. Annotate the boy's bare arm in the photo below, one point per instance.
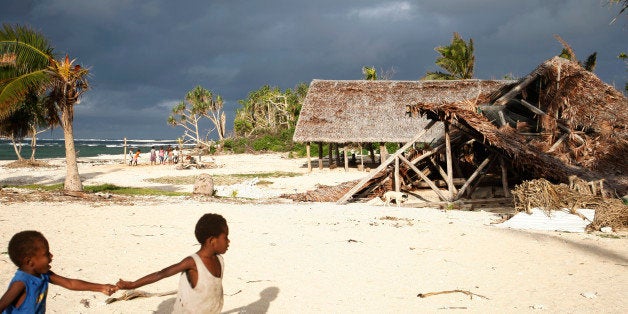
[
  {"x": 13, "y": 293},
  {"x": 185, "y": 264},
  {"x": 81, "y": 285}
]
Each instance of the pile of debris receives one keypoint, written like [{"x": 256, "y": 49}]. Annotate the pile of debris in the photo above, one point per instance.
[{"x": 609, "y": 212}]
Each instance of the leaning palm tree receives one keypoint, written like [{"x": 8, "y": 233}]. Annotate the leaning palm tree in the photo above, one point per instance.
[
  {"x": 457, "y": 59},
  {"x": 31, "y": 66}
]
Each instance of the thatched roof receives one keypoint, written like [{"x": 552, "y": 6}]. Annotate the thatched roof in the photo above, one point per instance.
[
  {"x": 375, "y": 111},
  {"x": 571, "y": 96}
]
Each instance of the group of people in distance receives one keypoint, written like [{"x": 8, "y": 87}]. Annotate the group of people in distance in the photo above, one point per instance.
[
  {"x": 162, "y": 156},
  {"x": 200, "y": 285}
]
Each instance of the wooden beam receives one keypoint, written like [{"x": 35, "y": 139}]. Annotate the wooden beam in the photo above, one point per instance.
[
  {"x": 383, "y": 153},
  {"x": 450, "y": 168},
  {"x": 346, "y": 151},
  {"x": 472, "y": 177},
  {"x": 516, "y": 90},
  {"x": 397, "y": 181},
  {"x": 502, "y": 163},
  {"x": 331, "y": 159},
  {"x": 531, "y": 107},
  {"x": 502, "y": 119},
  {"x": 443, "y": 175},
  {"x": 320, "y": 155},
  {"x": 309, "y": 158},
  {"x": 558, "y": 142},
  {"x": 349, "y": 194},
  {"x": 426, "y": 179}
]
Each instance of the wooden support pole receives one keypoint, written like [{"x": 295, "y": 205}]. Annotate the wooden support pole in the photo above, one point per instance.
[
  {"x": 125, "y": 150},
  {"x": 502, "y": 163},
  {"x": 330, "y": 151},
  {"x": 309, "y": 158},
  {"x": 558, "y": 142},
  {"x": 383, "y": 153},
  {"x": 320, "y": 155},
  {"x": 443, "y": 174},
  {"x": 345, "y": 149},
  {"x": 427, "y": 180},
  {"x": 516, "y": 90},
  {"x": 397, "y": 181},
  {"x": 450, "y": 171},
  {"x": 349, "y": 194},
  {"x": 337, "y": 151},
  {"x": 472, "y": 177},
  {"x": 361, "y": 157}
]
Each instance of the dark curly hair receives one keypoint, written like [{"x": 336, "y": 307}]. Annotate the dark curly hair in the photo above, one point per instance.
[
  {"x": 210, "y": 225},
  {"x": 22, "y": 245}
]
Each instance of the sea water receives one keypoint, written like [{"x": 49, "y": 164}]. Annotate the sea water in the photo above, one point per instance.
[{"x": 55, "y": 148}]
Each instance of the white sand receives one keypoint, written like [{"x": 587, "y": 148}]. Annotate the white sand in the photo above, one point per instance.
[{"x": 313, "y": 257}]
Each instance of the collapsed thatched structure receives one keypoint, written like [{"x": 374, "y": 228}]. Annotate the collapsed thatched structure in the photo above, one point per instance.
[{"x": 563, "y": 121}]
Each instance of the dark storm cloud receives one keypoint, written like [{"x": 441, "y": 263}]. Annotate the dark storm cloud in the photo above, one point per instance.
[{"x": 145, "y": 55}]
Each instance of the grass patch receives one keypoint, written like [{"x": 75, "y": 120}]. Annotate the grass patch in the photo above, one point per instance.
[
  {"x": 110, "y": 188},
  {"x": 227, "y": 179},
  {"x": 51, "y": 187}
]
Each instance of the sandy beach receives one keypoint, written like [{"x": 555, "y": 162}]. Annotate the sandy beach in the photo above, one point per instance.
[{"x": 289, "y": 257}]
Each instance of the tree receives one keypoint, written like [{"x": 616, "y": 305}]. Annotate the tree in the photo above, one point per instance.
[
  {"x": 27, "y": 120},
  {"x": 269, "y": 110},
  {"x": 61, "y": 82},
  {"x": 199, "y": 102},
  {"x": 457, "y": 59},
  {"x": 370, "y": 73}
]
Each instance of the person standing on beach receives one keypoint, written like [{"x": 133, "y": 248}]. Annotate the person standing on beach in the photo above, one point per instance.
[
  {"x": 153, "y": 156},
  {"x": 200, "y": 284},
  {"x": 161, "y": 155},
  {"x": 136, "y": 156},
  {"x": 131, "y": 155},
  {"x": 27, "y": 292}
]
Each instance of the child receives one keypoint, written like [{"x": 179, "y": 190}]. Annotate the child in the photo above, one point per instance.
[
  {"x": 200, "y": 284},
  {"x": 27, "y": 291}
]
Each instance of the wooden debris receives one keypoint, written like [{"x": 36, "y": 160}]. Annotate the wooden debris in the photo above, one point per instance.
[
  {"x": 134, "y": 294},
  {"x": 469, "y": 293}
]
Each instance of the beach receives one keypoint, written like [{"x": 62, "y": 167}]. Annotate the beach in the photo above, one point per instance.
[{"x": 290, "y": 257}]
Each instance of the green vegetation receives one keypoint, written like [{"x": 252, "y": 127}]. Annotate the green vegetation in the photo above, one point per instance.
[
  {"x": 109, "y": 188},
  {"x": 28, "y": 69},
  {"x": 457, "y": 59}
]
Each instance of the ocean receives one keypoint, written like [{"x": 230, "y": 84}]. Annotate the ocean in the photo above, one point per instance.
[{"x": 55, "y": 148}]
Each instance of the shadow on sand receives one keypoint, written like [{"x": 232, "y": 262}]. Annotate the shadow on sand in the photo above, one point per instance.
[{"x": 260, "y": 306}]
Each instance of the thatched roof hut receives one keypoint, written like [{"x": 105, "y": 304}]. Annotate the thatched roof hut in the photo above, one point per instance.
[
  {"x": 377, "y": 111},
  {"x": 568, "y": 122}
]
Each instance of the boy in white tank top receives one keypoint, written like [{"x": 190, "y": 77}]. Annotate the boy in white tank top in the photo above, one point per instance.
[{"x": 200, "y": 286}]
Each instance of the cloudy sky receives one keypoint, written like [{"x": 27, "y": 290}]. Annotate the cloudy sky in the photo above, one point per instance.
[{"x": 145, "y": 55}]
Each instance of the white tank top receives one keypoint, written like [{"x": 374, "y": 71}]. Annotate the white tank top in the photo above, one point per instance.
[{"x": 207, "y": 296}]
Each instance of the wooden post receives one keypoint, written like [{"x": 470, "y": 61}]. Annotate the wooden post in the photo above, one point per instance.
[
  {"x": 320, "y": 155},
  {"x": 331, "y": 159},
  {"x": 427, "y": 180},
  {"x": 361, "y": 157},
  {"x": 383, "y": 153},
  {"x": 125, "y": 150},
  {"x": 372, "y": 152},
  {"x": 472, "y": 177},
  {"x": 346, "y": 151},
  {"x": 397, "y": 181},
  {"x": 337, "y": 151},
  {"x": 502, "y": 163},
  {"x": 450, "y": 171},
  {"x": 309, "y": 159}
]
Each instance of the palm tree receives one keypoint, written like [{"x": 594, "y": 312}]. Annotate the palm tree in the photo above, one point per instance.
[
  {"x": 32, "y": 66},
  {"x": 370, "y": 73},
  {"x": 457, "y": 59}
]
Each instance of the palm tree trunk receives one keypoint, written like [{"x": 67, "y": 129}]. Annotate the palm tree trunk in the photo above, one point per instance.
[{"x": 72, "y": 179}]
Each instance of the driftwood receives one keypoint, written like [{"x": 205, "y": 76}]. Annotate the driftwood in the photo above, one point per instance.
[
  {"x": 134, "y": 294},
  {"x": 469, "y": 293}
]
